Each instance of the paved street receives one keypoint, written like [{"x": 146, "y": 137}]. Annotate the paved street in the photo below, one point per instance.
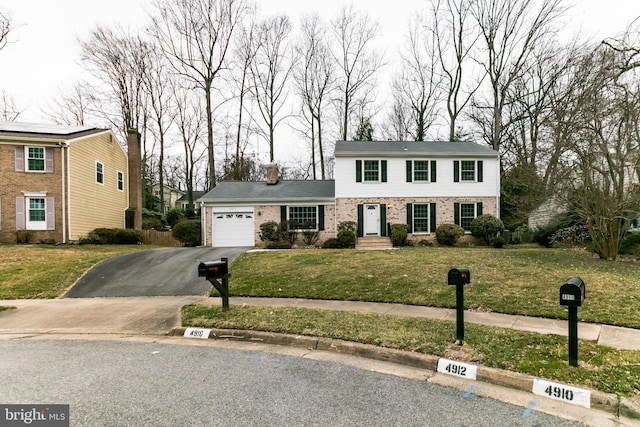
[{"x": 126, "y": 383}]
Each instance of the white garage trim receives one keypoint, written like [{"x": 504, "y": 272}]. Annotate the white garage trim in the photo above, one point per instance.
[{"x": 232, "y": 226}]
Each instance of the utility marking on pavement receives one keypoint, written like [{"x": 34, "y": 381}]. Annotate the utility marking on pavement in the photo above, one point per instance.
[
  {"x": 197, "y": 333},
  {"x": 468, "y": 393},
  {"x": 459, "y": 369},
  {"x": 529, "y": 409},
  {"x": 562, "y": 392}
]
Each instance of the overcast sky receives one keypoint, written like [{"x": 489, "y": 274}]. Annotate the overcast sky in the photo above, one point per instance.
[{"x": 43, "y": 56}]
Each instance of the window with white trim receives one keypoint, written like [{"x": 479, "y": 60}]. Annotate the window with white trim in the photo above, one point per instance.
[
  {"x": 421, "y": 218},
  {"x": 306, "y": 217},
  {"x": 467, "y": 214},
  {"x": 421, "y": 170},
  {"x": 468, "y": 170},
  {"x": 120, "y": 181},
  {"x": 36, "y": 213},
  {"x": 99, "y": 173},
  {"x": 371, "y": 170},
  {"x": 35, "y": 159}
]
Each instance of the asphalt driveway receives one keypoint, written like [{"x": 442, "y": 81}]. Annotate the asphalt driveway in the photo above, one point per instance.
[{"x": 156, "y": 272}]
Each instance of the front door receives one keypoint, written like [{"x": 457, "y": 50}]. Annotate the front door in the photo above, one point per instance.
[{"x": 371, "y": 220}]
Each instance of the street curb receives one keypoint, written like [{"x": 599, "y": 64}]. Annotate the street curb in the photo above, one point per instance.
[{"x": 607, "y": 402}]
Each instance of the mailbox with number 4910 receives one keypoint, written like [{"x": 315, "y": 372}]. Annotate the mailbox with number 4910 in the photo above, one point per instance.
[{"x": 572, "y": 292}]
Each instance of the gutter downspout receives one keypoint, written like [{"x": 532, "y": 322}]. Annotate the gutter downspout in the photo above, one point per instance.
[
  {"x": 203, "y": 213},
  {"x": 68, "y": 201},
  {"x": 63, "y": 145}
]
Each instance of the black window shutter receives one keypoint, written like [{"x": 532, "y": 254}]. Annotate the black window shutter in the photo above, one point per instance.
[
  {"x": 479, "y": 170},
  {"x": 432, "y": 217},
  {"x": 456, "y": 171},
  {"x": 383, "y": 220},
  {"x": 479, "y": 209},
  {"x": 358, "y": 170},
  {"x": 320, "y": 217},
  {"x": 360, "y": 220},
  {"x": 409, "y": 217},
  {"x": 409, "y": 171},
  {"x": 456, "y": 213},
  {"x": 433, "y": 171},
  {"x": 283, "y": 213},
  {"x": 383, "y": 166}
]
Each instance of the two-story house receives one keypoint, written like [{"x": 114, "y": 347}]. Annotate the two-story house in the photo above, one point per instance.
[
  {"x": 379, "y": 183},
  {"x": 60, "y": 182}
]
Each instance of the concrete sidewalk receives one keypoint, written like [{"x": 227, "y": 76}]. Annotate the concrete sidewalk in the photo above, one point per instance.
[{"x": 159, "y": 315}]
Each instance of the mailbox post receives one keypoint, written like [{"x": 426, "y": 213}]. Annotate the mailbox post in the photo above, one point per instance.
[
  {"x": 572, "y": 293},
  {"x": 459, "y": 277},
  {"x": 214, "y": 270}
]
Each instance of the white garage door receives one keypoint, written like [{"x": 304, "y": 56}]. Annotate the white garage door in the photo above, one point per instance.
[{"x": 233, "y": 228}]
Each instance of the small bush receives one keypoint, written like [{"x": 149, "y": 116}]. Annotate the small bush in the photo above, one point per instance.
[
  {"x": 498, "y": 242},
  {"x": 332, "y": 244},
  {"x": 289, "y": 231},
  {"x": 575, "y": 235},
  {"x": 149, "y": 223},
  {"x": 112, "y": 236},
  {"x": 269, "y": 231},
  {"x": 347, "y": 225},
  {"x": 174, "y": 215},
  {"x": 188, "y": 232},
  {"x": 346, "y": 238},
  {"x": 631, "y": 245},
  {"x": 24, "y": 236},
  {"x": 399, "y": 234},
  {"x": 448, "y": 234},
  {"x": 486, "y": 227},
  {"x": 310, "y": 237}
]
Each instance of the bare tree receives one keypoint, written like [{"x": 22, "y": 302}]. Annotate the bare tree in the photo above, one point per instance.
[
  {"x": 195, "y": 35},
  {"x": 510, "y": 30},
  {"x": 605, "y": 144},
  {"x": 9, "y": 111},
  {"x": 121, "y": 61},
  {"x": 418, "y": 83},
  {"x": 70, "y": 107},
  {"x": 190, "y": 122},
  {"x": 6, "y": 25},
  {"x": 357, "y": 63},
  {"x": 158, "y": 86},
  {"x": 455, "y": 39},
  {"x": 244, "y": 55},
  {"x": 270, "y": 71},
  {"x": 314, "y": 80}
]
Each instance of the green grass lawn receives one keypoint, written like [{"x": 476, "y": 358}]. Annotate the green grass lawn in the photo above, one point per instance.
[
  {"x": 42, "y": 271},
  {"x": 521, "y": 280}
]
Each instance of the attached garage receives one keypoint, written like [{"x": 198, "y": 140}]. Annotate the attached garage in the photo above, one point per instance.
[{"x": 233, "y": 227}]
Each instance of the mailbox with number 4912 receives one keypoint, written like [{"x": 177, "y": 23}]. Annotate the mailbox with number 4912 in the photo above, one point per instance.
[{"x": 572, "y": 292}]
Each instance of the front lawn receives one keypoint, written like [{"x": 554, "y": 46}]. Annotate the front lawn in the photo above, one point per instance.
[{"x": 521, "y": 280}]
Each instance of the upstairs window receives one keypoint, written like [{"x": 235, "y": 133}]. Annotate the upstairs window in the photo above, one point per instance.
[
  {"x": 99, "y": 173},
  {"x": 467, "y": 171},
  {"x": 35, "y": 159},
  {"x": 421, "y": 171},
  {"x": 120, "y": 181},
  {"x": 371, "y": 170}
]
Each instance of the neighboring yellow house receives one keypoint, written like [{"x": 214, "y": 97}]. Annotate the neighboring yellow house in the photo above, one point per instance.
[{"x": 60, "y": 182}]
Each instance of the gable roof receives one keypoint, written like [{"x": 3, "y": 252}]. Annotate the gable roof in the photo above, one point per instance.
[
  {"x": 252, "y": 192},
  {"x": 412, "y": 148},
  {"x": 196, "y": 195},
  {"x": 44, "y": 131}
]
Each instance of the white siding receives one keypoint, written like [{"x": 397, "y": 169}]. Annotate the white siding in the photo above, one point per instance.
[{"x": 396, "y": 185}]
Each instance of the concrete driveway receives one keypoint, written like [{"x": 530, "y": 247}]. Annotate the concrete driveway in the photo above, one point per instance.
[{"x": 156, "y": 272}]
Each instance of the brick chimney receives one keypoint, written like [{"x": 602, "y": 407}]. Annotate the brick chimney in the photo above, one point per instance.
[
  {"x": 134, "y": 155},
  {"x": 273, "y": 175}
]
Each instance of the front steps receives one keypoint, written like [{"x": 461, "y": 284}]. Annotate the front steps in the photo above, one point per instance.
[{"x": 373, "y": 243}]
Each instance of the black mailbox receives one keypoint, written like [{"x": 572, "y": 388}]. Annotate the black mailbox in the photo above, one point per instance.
[
  {"x": 213, "y": 269},
  {"x": 459, "y": 276},
  {"x": 572, "y": 292}
]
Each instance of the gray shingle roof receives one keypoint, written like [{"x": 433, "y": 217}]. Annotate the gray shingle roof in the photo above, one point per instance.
[
  {"x": 260, "y": 192},
  {"x": 411, "y": 148}
]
